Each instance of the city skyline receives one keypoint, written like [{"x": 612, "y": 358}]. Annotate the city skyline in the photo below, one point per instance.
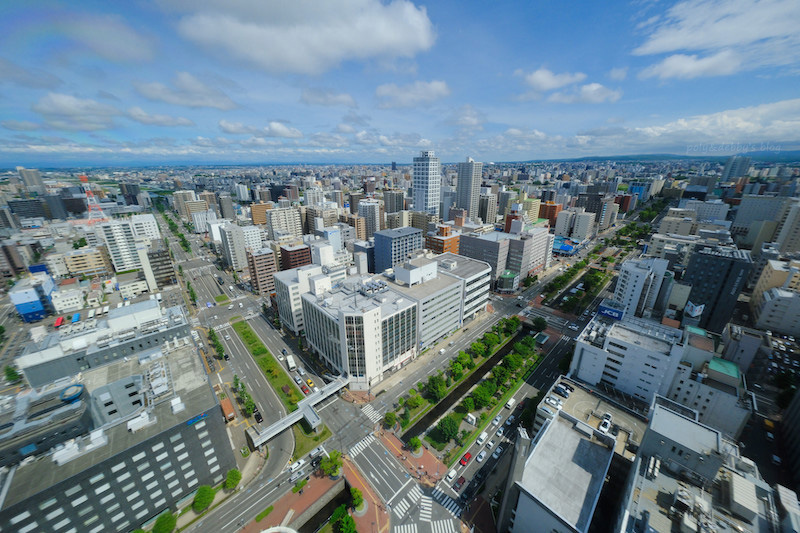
[{"x": 212, "y": 83}]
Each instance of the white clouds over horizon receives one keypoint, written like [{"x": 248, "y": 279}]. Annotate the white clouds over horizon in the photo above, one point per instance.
[
  {"x": 187, "y": 90},
  {"x": 415, "y": 94}
]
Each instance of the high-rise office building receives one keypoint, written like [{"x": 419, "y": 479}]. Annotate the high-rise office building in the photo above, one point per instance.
[
  {"x": 393, "y": 246},
  {"x": 145, "y": 226},
  {"x": 313, "y": 196},
  {"x": 258, "y": 213},
  {"x": 211, "y": 200},
  {"x": 487, "y": 208},
  {"x": 426, "y": 182},
  {"x": 717, "y": 276},
  {"x": 394, "y": 200},
  {"x": 262, "y": 266},
  {"x": 32, "y": 180},
  {"x": 284, "y": 221},
  {"x": 226, "y": 207},
  {"x": 735, "y": 167},
  {"x": 179, "y": 199},
  {"x": 294, "y": 256},
  {"x": 468, "y": 186},
  {"x": 639, "y": 284},
  {"x": 121, "y": 244},
  {"x": 370, "y": 210}
]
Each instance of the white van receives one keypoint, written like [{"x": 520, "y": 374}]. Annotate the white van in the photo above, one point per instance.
[
  {"x": 481, "y": 439},
  {"x": 510, "y": 403},
  {"x": 297, "y": 465},
  {"x": 451, "y": 476}
]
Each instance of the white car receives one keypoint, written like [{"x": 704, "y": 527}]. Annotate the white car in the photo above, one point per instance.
[
  {"x": 605, "y": 425},
  {"x": 497, "y": 452},
  {"x": 481, "y": 456},
  {"x": 497, "y": 420},
  {"x": 500, "y": 432},
  {"x": 241, "y": 305},
  {"x": 490, "y": 445}
]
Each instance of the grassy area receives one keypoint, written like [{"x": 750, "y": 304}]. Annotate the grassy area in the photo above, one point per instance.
[
  {"x": 327, "y": 528},
  {"x": 221, "y": 298},
  {"x": 263, "y": 514},
  {"x": 279, "y": 379},
  {"x": 305, "y": 442},
  {"x": 299, "y": 486}
]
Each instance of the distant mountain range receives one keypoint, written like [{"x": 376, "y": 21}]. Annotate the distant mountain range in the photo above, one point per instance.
[{"x": 767, "y": 156}]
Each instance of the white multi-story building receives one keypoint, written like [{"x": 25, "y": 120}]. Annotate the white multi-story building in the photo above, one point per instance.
[
  {"x": 119, "y": 240},
  {"x": 200, "y": 220},
  {"x": 575, "y": 223},
  {"x": 289, "y": 286},
  {"x": 370, "y": 210},
  {"x": 426, "y": 183},
  {"x": 468, "y": 187},
  {"x": 242, "y": 192},
  {"x": 67, "y": 301},
  {"x": 233, "y": 246},
  {"x": 253, "y": 237},
  {"x": 359, "y": 327},
  {"x": 779, "y": 310},
  {"x": 145, "y": 226},
  {"x": 313, "y": 196},
  {"x": 712, "y": 210},
  {"x": 284, "y": 221},
  {"x": 637, "y": 357},
  {"x": 639, "y": 284},
  {"x": 179, "y": 199},
  {"x": 438, "y": 298},
  {"x": 476, "y": 277}
]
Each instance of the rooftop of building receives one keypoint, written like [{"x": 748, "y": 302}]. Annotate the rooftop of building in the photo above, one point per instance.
[
  {"x": 186, "y": 380},
  {"x": 293, "y": 247},
  {"x": 398, "y": 232},
  {"x": 689, "y": 433},
  {"x": 644, "y": 333},
  {"x": 722, "y": 366},
  {"x": 566, "y": 470},
  {"x": 460, "y": 266},
  {"x": 359, "y": 294}
]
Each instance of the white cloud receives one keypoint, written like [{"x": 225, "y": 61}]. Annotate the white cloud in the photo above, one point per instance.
[
  {"x": 618, "y": 74},
  {"x": 273, "y": 129},
  {"x": 63, "y": 111},
  {"x": 34, "y": 78},
  {"x": 690, "y": 66},
  {"x": 345, "y": 128},
  {"x": 326, "y": 97},
  {"x": 20, "y": 125},
  {"x": 107, "y": 36},
  {"x": 306, "y": 36},
  {"x": 468, "y": 118},
  {"x": 543, "y": 80},
  {"x": 591, "y": 93},
  {"x": 187, "y": 91},
  {"x": 757, "y": 33},
  {"x": 354, "y": 118},
  {"x": 140, "y": 115},
  {"x": 415, "y": 94}
]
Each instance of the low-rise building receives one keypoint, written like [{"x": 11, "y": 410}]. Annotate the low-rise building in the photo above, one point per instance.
[
  {"x": 67, "y": 300},
  {"x": 88, "y": 261},
  {"x": 32, "y": 296},
  {"x": 132, "y": 284}
]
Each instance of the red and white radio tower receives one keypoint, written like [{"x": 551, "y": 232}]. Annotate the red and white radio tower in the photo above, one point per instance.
[{"x": 94, "y": 211}]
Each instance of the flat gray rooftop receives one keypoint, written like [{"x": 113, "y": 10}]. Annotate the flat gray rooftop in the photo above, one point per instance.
[
  {"x": 701, "y": 439},
  {"x": 465, "y": 266},
  {"x": 188, "y": 381},
  {"x": 566, "y": 470},
  {"x": 429, "y": 288}
]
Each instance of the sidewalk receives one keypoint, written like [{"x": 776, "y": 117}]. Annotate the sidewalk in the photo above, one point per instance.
[
  {"x": 376, "y": 518},
  {"x": 428, "y": 469}
]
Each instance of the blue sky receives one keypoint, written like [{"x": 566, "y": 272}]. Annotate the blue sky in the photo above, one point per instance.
[{"x": 234, "y": 81}]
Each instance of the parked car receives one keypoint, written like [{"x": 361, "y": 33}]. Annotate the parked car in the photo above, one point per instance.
[
  {"x": 490, "y": 444},
  {"x": 301, "y": 371},
  {"x": 466, "y": 459},
  {"x": 298, "y": 380},
  {"x": 496, "y": 420},
  {"x": 304, "y": 389},
  {"x": 459, "y": 483},
  {"x": 258, "y": 417},
  {"x": 510, "y": 420},
  {"x": 481, "y": 456},
  {"x": 497, "y": 452},
  {"x": 310, "y": 383},
  {"x": 500, "y": 432},
  {"x": 605, "y": 425}
]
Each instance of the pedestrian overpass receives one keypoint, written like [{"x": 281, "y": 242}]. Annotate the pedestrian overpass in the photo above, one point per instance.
[{"x": 305, "y": 409}]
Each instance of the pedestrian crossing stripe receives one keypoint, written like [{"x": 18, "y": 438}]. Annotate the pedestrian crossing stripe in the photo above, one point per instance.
[
  {"x": 401, "y": 507},
  {"x": 415, "y": 493},
  {"x": 443, "y": 526},
  {"x": 371, "y": 413},
  {"x": 425, "y": 508},
  {"x": 360, "y": 445},
  {"x": 447, "y": 502},
  {"x": 405, "y": 528}
]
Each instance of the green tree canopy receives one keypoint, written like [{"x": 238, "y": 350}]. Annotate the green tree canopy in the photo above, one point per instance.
[
  {"x": 478, "y": 348},
  {"x": 331, "y": 464},
  {"x": 202, "y": 498},
  {"x": 357, "y": 497},
  {"x": 233, "y": 478},
  {"x": 436, "y": 388},
  {"x": 165, "y": 523},
  {"x": 12, "y": 376},
  {"x": 414, "y": 443},
  {"x": 539, "y": 323},
  {"x": 448, "y": 426},
  {"x": 389, "y": 419}
]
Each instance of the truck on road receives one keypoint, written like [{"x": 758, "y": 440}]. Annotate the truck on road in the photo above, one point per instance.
[
  {"x": 290, "y": 363},
  {"x": 227, "y": 409}
]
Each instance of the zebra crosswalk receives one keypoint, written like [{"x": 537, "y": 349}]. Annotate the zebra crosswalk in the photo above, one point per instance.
[
  {"x": 447, "y": 502},
  {"x": 371, "y": 413},
  {"x": 360, "y": 445},
  {"x": 404, "y": 504},
  {"x": 400, "y": 507},
  {"x": 415, "y": 493},
  {"x": 425, "y": 508},
  {"x": 443, "y": 526},
  {"x": 405, "y": 528}
]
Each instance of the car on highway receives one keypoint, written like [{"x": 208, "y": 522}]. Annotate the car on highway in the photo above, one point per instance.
[
  {"x": 497, "y": 452},
  {"x": 310, "y": 383},
  {"x": 227, "y": 337},
  {"x": 496, "y": 420},
  {"x": 459, "y": 483},
  {"x": 304, "y": 389},
  {"x": 481, "y": 456},
  {"x": 466, "y": 459},
  {"x": 573, "y": 327}
]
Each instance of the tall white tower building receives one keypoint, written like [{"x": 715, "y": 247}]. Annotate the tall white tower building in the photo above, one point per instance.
[
  {"x": 370, "y": 210},
  {"x": 426, "y": 182},
  {"x": 468, "y": 187}
]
